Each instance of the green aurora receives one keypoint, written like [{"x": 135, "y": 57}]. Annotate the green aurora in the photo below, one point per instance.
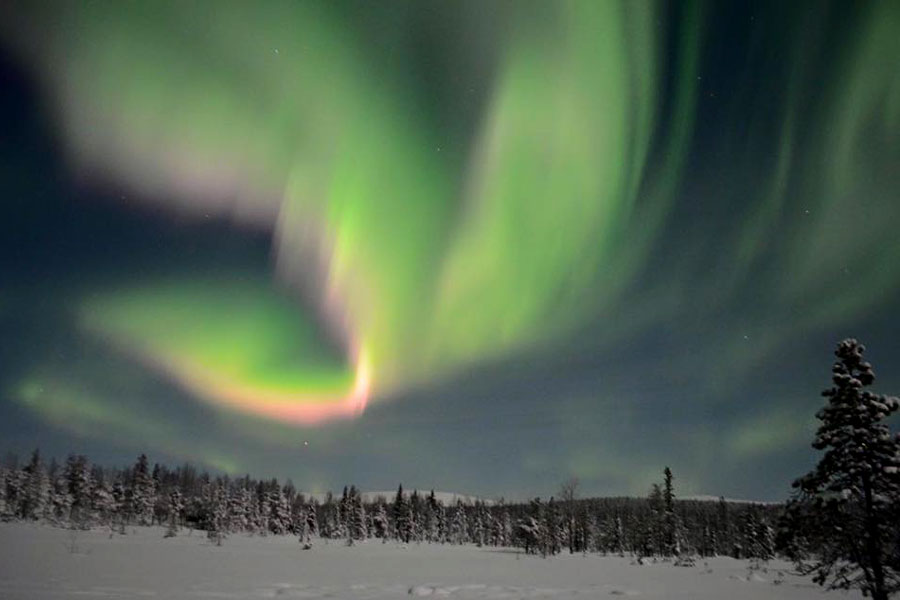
[
  {"x": 414, "y": 241},
  {"x": 418, "y": 275}
]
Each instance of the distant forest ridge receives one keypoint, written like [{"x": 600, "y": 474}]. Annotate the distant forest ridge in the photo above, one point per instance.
[{"x": 78, "y": 494}]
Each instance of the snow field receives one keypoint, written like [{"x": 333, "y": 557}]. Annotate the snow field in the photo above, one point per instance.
[{"x": 40, "y": 562}]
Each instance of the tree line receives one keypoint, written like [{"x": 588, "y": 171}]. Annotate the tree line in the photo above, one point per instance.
[{"x": 79, "y": 494}]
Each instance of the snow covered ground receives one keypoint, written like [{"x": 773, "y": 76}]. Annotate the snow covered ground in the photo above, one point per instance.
[{"x": 43, "y": 562}]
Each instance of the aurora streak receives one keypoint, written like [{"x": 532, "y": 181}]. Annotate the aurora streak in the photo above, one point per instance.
[{"x": 290, "y": 131}]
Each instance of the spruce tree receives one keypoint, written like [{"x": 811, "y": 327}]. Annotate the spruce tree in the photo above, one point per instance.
[
  {"x": 4, "y": 509},
  {"x": 264, "y": 509},
  {"x": 215, "y": 504},
  {"x": 142, "y": 494},
  {"x": 249, "y": 510},
  {"x": 568, "y": 491},
  {"x": 487, "y": 524},
  {"x": 334, "y": 525},
  {"x": 654, "y": 542},
  {"x": 724, "y": 531},
  {"x": 344, "y": 511},
  {"x": 120, "y": 504},
  {"x": 442, "y": 526},
  {"x": 841, "y": 524},
  {"x": 618, "y": 537},
  {"x": 458, "y": 529},
  {"x": 402, "y": 516},
  {"x": 415, "y": 516},
  {"x": 78, "y": 477},
  {"x": 279, "y": 510},
  {"x": 101, "y": 498},
  {"x": 310, "y": 525},
  {"x": 530, "y": 530},
  {"x": 553, "y": 528},
  {"x": 671, "y": 535},
  {"x": 380, "y": 522},
  {"x": 62, "y": 501},
  {"x": 430, "y": 519},
  {"x": 757, "y": 536},
  {"x": 176, "y": 505},
  {"x": 478, "y": 525},
  {"x": 14, "y": 492},
  {"x": 35, "y": 489},
  {"x": 358, "y": 519},
  {"x": 237, "y": 507}
]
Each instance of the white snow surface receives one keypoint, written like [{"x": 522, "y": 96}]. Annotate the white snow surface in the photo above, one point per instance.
[{"x": 40, "y": 562}]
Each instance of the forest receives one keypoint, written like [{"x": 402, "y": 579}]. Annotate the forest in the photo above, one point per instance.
[{"x": 77, "y": 494}]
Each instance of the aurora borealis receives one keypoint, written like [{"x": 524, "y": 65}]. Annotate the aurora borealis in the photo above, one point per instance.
[{"x": 479, "y": 246}]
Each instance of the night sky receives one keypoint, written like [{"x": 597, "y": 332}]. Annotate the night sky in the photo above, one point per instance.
[{"x": 473, "y": 246}]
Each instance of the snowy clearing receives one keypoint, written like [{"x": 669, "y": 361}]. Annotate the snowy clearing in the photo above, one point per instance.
[{"x": 44, "y": 562}]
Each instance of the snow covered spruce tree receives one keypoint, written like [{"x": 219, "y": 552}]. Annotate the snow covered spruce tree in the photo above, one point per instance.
[
  {"x": 279, "y": 509},
  {"x": 380, "y": 523},
  {"x": 568, "y": 492},
  {"x": 62, "y": 501},
  {"x": 5, "y": 512},
  {"x": 459, "y": 533},
  {"x": 671, "y": 527},
  {"x": 35, "y": 490},
  {"x": 309, "y": 525},
  {"x": 402, "y": 517},
  {"x": 355, "y": 515},
  {"x": 78, "y": 478},
  {"x": 841, "y": 524},
  {"x": 215, "y": 511},
  {"x": 176, "y": 506},
  {"x": 528, "y": 529},
  {"x": 653, "y": 540},
  {"x": 756, "y": 535},
  {"x": 429, "y": 519},
  {"x": 141, "y": 494}
]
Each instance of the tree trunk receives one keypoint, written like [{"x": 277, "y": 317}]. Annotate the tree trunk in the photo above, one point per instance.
[
  {"x": 571, "y": 534},
  {"x": 873, "y": 544}
]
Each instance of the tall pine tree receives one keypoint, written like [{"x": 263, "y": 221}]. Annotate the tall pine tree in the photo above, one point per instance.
[
  {"x": 842, "y": 518},
  {"x": 671, "y": 534}
]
